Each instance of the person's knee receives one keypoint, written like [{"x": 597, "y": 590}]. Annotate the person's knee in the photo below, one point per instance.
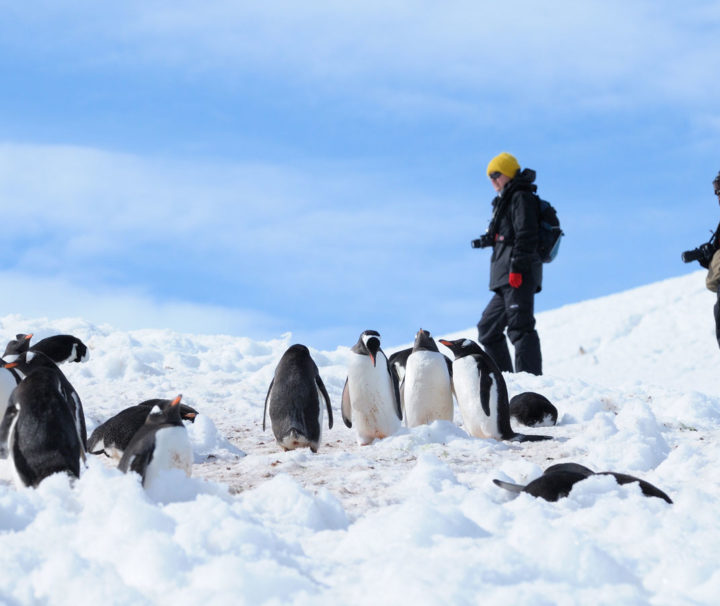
[{"x": 519, "y": 325}]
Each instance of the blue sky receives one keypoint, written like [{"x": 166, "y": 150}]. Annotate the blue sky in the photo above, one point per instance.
[{"x": 319, "y": 168}]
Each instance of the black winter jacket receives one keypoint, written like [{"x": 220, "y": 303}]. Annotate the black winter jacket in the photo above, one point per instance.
[{"x": 515, "y": 227}]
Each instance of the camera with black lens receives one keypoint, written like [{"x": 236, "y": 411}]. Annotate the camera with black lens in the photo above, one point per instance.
[
  {"x": 703, "y": 254},
  {"x": 482, "y": 242}
]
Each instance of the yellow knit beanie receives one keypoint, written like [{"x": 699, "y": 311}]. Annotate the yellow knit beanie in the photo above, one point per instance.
[{"x": 504, "y": 163}]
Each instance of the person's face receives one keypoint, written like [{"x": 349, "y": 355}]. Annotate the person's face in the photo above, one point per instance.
[{"x": 499, "y": 181}]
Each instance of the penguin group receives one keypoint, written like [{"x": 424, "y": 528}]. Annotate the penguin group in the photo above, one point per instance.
[
  {"x": 42, "y": 422},
  {"x": 43, "y": 430},
  {"x": 419, "y": 385},
  {"x": 415, "y": 385}
]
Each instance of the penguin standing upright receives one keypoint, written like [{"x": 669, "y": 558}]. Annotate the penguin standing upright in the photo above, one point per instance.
[
  {"x": 32, "y": 361},
  {"x": 38, "y": 432},
  {"x": 370, "y": 398},
  {"x": 294, "y": 401},
  {"x": 398, "y": 362},
  {"x": 427, "y": 390},
  {"x": 112, "y": 437},
  {"x": 161, "y": 443},
  {"x": 482, "y": 393}
]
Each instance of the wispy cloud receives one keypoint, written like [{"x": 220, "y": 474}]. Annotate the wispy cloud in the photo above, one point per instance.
[{"x": 565, "y": 52}]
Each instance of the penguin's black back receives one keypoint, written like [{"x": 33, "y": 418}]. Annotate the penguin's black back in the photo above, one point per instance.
[
  {"x": 31, "y": 362},
  {"x": 555, "y": 485},
  {"x": 530, "y": 408},
  {"x": 294, "y": 402},
  {"x": 62, "y": 348},
  {"x": 45, "y": 436}
]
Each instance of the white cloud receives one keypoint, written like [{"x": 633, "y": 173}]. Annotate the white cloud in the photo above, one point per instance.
[
  {"x": 558, "y": 52},
  {"x": 126, "y": 309}
]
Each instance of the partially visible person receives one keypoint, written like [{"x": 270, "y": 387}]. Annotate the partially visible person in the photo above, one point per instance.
[
  {"x": 705, "y": 254},
  {"x": 515, "y": 267}
]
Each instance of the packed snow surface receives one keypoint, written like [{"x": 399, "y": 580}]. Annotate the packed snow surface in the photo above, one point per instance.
[{"x": 411, "y": 519}]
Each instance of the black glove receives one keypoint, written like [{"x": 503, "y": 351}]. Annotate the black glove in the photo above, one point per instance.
[{"x": 482, "y": 242}]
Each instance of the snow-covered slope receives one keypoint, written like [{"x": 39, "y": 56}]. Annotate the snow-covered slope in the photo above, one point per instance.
[{"x": 414, "y": 518}]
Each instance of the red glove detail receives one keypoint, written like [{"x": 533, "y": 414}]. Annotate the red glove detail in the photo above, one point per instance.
[{"x": 515, "y": 280}]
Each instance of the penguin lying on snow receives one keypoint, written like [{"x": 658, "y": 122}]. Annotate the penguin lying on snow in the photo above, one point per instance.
[
  {"x": 59, "y": 348},
  {"x": 482, "y": 394},
  {"x": 38, "y": 432},
  {"x": 426, "y": 386},
  {"x": 294, "y": 401},
  {"x": 557, "y": 481},
  {"x": 370, "y": 398},
  {"x": 533, "y": 409},
  {"x": 160, "y": 444},
  {"x": 112, "y": 437}
]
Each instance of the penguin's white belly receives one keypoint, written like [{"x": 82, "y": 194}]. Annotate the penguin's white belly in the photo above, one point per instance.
[
  {"x": 172, "y": 451},
  {"x": 427, "y": 395},
  {"x": 372, "y": 399},
  {"x": 466, "y": 380}
]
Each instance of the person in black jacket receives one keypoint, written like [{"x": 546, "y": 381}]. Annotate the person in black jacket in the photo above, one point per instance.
[{"x": 515, "y": 267}]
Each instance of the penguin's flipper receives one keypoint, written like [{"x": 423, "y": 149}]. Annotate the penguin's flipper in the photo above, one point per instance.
[
  {"x": 396, "y": 390},
  {"x": 267, "y": 397},
  {"x": 571, "y": 467},
  {"x": 521, "y": 437},
  {"x": 647, "y": 489},
  {"x": 323, "y": 391},
  {"x": 516, "y": 488},
  {"x": 449, "y": 363},
  {"x": 345, "y": 406}
]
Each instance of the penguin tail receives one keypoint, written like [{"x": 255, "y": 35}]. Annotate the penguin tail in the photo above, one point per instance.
[
  {"x": 521, "y": 437},
  {"x": 516, "y": 488}
]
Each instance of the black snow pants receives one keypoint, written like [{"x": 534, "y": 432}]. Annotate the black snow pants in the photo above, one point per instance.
[{"x": 513, "y": 308}]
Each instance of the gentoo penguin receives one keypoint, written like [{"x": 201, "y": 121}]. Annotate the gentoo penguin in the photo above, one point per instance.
[
  {"x": 557, "y": 481},
  {"x": 427, "y": 388},
  {"x": 19, "y": 345},
  {"x": 294, "y": 401},
  {"x": 59, "y": 348},
  {"x": 31, "y": 361},
  {"x": 161, "y": 443},
  {"x": 112, "y": 437},
  {"x": 482, "y": 393},
  {"x": 370, "y": 398},
  {"x": 38, "y": 432},
  {"x": 398, "y": 362},
  {"x": 62, "y": 348},
  {"x": 533, "y": 409}
]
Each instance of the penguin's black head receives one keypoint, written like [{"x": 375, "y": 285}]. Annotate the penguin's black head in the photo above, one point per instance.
[
  {"x": 19, "y": 345},
  {"x": 165, "y": 411},
  {"x": 461, "y": 347},
  {"x": 424, "y": 341},
  {"x": 371, "y": 342}
]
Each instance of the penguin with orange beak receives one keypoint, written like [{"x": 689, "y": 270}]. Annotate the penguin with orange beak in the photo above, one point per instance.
[
  {"x": 371, "y": 397},
  {"x": 161, "y": 444}
]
